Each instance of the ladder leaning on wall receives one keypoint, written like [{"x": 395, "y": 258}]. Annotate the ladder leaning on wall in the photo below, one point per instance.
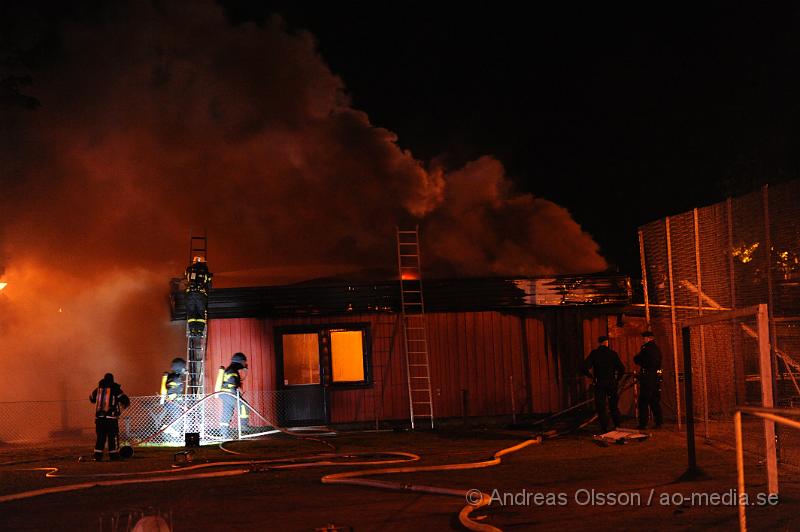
[
  {"x": 412, "y": 308},
  {"x": 196, "y": 345}
]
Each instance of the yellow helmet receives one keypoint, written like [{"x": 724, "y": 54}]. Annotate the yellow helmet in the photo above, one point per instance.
[{"x": 198, "y": 258}]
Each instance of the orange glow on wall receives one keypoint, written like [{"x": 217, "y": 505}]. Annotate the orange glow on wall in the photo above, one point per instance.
[
  {"x": 410, "y": 276},
  {"x": 347, "y": 356}
]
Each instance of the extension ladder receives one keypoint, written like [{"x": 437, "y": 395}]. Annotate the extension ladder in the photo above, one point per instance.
[{"x": 412, "y": 308}]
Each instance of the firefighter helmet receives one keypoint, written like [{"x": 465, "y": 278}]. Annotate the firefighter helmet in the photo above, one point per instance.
[
  {"x": 178, "y": 365},
  {"x": 239, "y": 358},
  {"x": 198, "y": 258}
]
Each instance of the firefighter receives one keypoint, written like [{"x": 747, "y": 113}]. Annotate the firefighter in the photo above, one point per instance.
[
  {"x": 108, "y": 398},
  {"x": 649, "y": 361},
  {"x": 605, "y": 369},
  {"x": 198, "y": 283},
  {"x": 172, "y": 390},
  {"x": 231, "y": 381}
]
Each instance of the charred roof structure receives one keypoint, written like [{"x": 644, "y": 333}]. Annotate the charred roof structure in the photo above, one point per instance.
[{"x": 336, "y": 297}]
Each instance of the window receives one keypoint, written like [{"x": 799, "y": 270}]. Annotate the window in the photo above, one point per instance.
[
  {"x": 324, "y": 355},
  {"x": 300, "y": 359},
  {"x": 347, "y": 356}
]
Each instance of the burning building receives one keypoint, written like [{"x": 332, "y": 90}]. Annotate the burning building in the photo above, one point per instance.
[{"x": 496, "y": 346}]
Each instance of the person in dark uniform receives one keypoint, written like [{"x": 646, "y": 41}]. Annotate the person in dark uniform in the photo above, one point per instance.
[
  {"x": 649, "y": 361},
  {"x": 108, "y": 398},
  {"x": 231, "y": 382},
  {"x": 172, "y": 389},
  {"x": 605, "y": 369},
  {"x": 198, "y": 283}
]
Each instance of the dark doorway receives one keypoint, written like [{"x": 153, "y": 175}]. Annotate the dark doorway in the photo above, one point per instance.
[{"x": 300, "y": 374}]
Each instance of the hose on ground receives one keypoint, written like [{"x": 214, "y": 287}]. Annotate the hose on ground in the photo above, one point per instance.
[{"x": 325, "y": 460}]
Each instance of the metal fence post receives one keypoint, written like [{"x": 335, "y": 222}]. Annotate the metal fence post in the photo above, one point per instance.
[
  {"x": 770, "y": 301},
  {"x": 700, "y": 313},
  {"x": 740, "y": 489},
  {"x": 239, "y": 413},
  {"x": 692, "y": 470},
  {"x": 766, "y": 374},
  {"x": 644, "y": 280},
  {"x": 674, "y": 331},
  {"x": 738, "y": 364}
]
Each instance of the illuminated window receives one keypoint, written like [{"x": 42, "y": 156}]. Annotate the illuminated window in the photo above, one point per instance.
[
  {"x": 300, "y": 359},
  {"x": 324, "y": 355},
  {"x": 347, "y": 356}
]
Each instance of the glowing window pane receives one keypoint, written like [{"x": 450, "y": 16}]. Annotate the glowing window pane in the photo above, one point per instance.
[
  {"x": 300, "y": 359},
  {"x": 347, "y": 356}
]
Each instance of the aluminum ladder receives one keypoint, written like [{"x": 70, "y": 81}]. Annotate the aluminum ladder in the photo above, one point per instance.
[{"x": 412, "y": 308}]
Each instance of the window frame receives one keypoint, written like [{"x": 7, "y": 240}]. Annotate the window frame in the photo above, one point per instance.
[
  {"x": 326, "y": 363},
  {"x": 282, "y": 369}
]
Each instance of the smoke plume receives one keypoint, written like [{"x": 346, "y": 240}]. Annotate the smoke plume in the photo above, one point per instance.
[{"x": 156, "y": 122}]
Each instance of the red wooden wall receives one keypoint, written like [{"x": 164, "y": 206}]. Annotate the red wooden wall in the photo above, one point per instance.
[{"x": 479, "y": 360}]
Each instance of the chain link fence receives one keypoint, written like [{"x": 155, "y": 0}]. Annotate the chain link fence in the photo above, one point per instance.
[
  {"x": 35, "y": 422},
  {"x": 734, "y": 254},
  {"x": 726, "y": 373},
  {"x": 151, "y": 421}
]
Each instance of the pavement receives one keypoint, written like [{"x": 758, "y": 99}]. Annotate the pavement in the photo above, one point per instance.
[{"x": 570, "y": 483}]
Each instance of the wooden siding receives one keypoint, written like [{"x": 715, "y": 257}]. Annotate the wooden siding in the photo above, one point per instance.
[
  {"x": 250, "y": 336},
  {"x": 479, "y": 360}
]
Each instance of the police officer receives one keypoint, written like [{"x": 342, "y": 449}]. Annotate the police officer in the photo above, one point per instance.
[
  {"x": 606, "y": 371},
  {"x": 198, "y": 283},
  {"x": 649, "y": 360},
  {"x": 108, "y": 398},
  {"x": 172, "y": 390},
  {"x": 231, "y": 382}
]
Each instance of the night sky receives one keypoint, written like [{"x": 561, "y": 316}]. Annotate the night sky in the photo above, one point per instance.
[{"x": 621, "y": 113}]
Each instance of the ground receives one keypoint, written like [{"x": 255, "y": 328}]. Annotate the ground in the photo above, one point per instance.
[{"x": 551, "y": 483}]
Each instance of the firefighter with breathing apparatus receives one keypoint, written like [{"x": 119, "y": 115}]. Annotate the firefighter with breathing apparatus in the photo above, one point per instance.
[
  {"x": 230, "y": 380},
  {"x": 107, "y": 398},
  {"x": 198, "y": 284},
  {"x": 173, "y": 385}
]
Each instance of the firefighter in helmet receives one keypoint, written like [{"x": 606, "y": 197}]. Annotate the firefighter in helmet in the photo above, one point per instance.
[
  {"x": 230, "y": 380},
  {"x": 108, "y": 398},
  {"x": 172, "y": 389},
  {"x": 198, "y": 283}
]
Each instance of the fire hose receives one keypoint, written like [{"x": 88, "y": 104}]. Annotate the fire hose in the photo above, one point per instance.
[
  {"x": 319, "y": 460},
  {"x": 464, "y": 516},
  {"x": 324, "y": 460}
]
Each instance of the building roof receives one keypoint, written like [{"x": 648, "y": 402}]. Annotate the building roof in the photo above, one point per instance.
[{"x": 337, "y": 297}]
